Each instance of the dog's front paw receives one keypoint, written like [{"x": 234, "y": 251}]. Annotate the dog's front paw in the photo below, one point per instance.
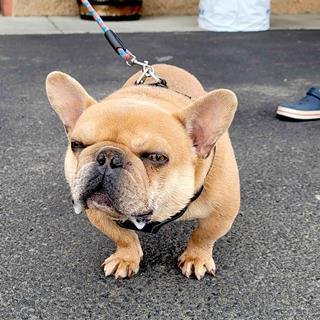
[
  {"x": 121, "y": 264},
  {"x": 196, "y": 261}
]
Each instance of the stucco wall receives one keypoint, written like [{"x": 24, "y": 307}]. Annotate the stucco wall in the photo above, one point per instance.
[
  {"x": 170, "y": 7},
  {"x": 295, "y": 6},
  {"x": 44, "y": 7},
  {"x": 151, "y": 7}
]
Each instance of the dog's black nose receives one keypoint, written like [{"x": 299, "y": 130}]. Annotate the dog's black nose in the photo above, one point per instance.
[
  {"x": 116, "y": 162},
  {"x": 110, "y": 158},
  {"x": 101, "y": 159}
]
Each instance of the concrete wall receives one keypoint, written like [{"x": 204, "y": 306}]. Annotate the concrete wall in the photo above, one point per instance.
[{"x": 150, "y": 7}]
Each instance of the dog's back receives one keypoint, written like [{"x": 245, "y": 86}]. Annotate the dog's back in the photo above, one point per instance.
[{"x": 177, "y": 79}]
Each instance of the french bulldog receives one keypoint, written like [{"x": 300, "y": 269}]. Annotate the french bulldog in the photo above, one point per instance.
[{"x": 146, "y": 155}]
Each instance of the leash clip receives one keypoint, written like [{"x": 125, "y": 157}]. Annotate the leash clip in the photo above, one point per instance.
[{"x": 147, "y": 71}]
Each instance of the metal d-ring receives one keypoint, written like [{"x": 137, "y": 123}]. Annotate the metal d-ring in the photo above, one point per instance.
[{"x": 147, "y": 71}]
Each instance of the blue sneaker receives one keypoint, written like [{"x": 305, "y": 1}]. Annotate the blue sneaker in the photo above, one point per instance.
[{"x": 308, "y": 108}]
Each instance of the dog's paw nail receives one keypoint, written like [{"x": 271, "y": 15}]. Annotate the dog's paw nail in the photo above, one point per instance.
[
  {"x": 108, "y": 272},
  {"x": 200, "y": 272},
  {"x": 130, "y": 273},
  {"x": 213, "y": 272},
  {"x": 199, "y": 277}
]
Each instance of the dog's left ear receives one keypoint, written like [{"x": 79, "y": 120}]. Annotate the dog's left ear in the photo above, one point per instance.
[{"x": 208, "y": 118}]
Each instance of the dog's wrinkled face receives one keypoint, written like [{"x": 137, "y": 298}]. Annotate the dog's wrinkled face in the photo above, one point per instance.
[
  {"x": 129, "y": 156},
  {"x": 125, "y": 156}
]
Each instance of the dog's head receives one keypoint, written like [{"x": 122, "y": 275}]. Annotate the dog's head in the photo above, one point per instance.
[{"x": 128, "y": 155}]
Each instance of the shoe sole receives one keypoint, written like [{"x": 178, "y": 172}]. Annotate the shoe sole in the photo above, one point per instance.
[{"x": 297, "y": 114}]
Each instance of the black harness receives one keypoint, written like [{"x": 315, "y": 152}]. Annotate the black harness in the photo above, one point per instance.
[
  {"x": 154, "y": 226},
  {"x": 162, "y": 83}
]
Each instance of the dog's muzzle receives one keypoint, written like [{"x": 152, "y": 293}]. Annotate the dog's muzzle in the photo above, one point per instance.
[{"x": 112, "y": 184}]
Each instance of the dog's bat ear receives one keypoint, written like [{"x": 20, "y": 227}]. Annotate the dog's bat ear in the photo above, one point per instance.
[
  {"x": 67, "y": 97},
  {"x": 208, "y": 118}
]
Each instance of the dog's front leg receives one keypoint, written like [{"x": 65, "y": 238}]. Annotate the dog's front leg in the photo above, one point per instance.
[
  {"x": 197, "y": 258},
  {"x": 126, "y": 259}
]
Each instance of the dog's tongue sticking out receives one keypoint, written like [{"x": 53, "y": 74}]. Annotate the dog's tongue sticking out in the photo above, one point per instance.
[
  {"x": 138, "y": 222},
  {"x": 77, "y": 206}
]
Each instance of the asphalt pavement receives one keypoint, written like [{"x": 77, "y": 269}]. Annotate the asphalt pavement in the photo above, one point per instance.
[{"x": 268, "y": 265}]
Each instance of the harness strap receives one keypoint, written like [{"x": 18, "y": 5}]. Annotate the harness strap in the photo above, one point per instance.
[{"x": 163, "y": 84}]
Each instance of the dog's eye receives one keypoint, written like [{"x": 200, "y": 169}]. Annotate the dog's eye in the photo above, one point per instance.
[
  {"x": 76, "y": 146},
  {"x": 156, "y": 158}
]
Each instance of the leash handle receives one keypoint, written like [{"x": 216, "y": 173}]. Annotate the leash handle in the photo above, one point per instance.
[{"x": 120, "y": 48}]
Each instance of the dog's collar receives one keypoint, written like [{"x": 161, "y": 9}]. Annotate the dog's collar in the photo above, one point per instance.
[{"x": 154, "y": 226}]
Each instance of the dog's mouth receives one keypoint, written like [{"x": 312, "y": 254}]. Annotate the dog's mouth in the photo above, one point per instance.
[{"x": 101, "y": 201}]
